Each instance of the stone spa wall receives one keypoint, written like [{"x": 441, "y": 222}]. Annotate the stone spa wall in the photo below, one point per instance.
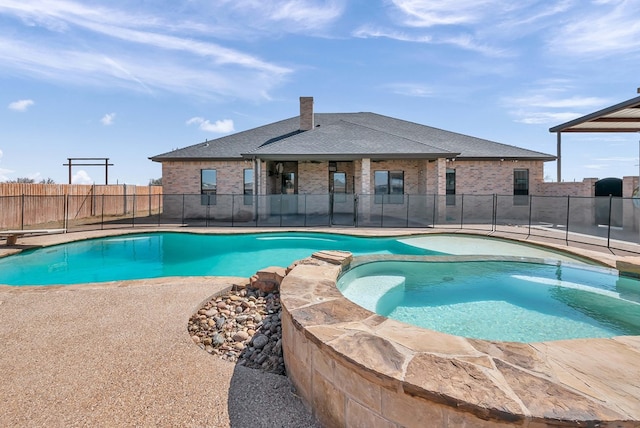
[{"x": 354, "y": 368}]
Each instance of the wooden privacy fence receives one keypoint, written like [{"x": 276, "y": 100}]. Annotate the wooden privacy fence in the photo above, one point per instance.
[{"x": 24, "y": 205}]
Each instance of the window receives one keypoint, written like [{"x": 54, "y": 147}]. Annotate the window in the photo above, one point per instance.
[
  {"x": 248, "y": 187},
  {"x": 521, "y": 187},
  {"x": 339, "y": 186},
  {"x": 389, "y": 183},
  {"x": 288, "y": 183},
  {"x": 339, "y": 182},
  {"x": 208, "y": 186},
  {"x": 451, "y": 186}
]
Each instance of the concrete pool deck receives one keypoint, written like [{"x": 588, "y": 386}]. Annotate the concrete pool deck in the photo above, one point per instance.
[{"x": 119, "y": 353}]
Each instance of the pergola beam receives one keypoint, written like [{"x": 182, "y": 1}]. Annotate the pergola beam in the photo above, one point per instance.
[
  {"x": 604, "y": 120},
  {"x": 105, "y": 163},
  {"x": 616, "y": 119},
  {"x": 603, "y": 130}
]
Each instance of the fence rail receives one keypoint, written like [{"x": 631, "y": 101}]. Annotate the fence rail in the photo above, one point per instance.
[{"x": 567, "y": 218}]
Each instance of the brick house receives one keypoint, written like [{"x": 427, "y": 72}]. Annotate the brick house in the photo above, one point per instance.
[{"x": 349, "y": 154}]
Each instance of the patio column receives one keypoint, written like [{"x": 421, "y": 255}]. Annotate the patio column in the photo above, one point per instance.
[
  {"x": 365, "y": 188},
  {"x": 365, "y": 185},
  {"x": 559, "y": 156},
  {"x": 441, "y": 176}
]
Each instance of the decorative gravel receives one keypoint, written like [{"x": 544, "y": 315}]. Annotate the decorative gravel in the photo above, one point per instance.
[{"x": 242, "y": 326}]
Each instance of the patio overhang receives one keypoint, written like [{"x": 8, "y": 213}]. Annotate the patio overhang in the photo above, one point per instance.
[{"x": 622, "y": 117}]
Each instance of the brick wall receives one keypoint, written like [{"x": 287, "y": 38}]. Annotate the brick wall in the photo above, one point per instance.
[
  {"x": 410, "y": 168},
  {"x": 420, "y": 177},
  {"x": 489, "y": 177},
  {"x": 579, "y": 188},
  {"x": 313, "y": 178},
  {"x": 184, "y": 177}
]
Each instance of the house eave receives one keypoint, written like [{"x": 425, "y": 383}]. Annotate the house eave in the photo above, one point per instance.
[
  {"x": 194, "y": 159},
  {"x": 507, "y": 158},
  {"x": 347, "y": 156}
]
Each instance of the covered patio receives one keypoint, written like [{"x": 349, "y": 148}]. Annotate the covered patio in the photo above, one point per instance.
[{"x": 621, "y": 117}]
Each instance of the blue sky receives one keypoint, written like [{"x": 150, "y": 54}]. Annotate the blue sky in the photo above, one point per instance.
[{"x": 131, "y": 79}]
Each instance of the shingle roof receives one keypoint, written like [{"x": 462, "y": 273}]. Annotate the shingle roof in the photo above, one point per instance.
[{"x": 340, "y": 136}]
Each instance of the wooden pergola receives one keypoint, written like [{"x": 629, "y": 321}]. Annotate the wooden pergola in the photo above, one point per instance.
[
  {"x": 622, "y": 117},
  {"x": 74, "y": 162}
]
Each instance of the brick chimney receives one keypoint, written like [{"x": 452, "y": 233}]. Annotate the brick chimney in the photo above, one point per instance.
[{"x": 306, "y": 113}]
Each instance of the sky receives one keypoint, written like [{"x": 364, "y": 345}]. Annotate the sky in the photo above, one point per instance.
[{"x": 127, "y": 80}]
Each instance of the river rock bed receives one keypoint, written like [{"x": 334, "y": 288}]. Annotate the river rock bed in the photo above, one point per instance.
[{"x": 242, "y": 326}]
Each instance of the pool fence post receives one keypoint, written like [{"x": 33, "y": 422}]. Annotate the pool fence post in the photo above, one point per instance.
[
  {"x": 159, "y": 203},
  {"x": 355, "y": 209},
  {"x": 462, "y": 211},
  {"x": 256, "y": 211},
  {"x": 182, "y": 220},
  {"x": 64, "y": 225},
  {"x": 408, "y": 202},
  {"x": 530, "y": 207},
  {"x": 433, "y": 214},
  {"x": 566, "y": 236},
  {"x": 494, "y": 214},
  {"x": 305, "y": 210},
  {"x": 206, "y": 211},
  {"x": 233, "y": 208},
  {"x": 93, "y": 199},
  {"x": 381, "y": 211},
  {"x": 102, "y": 213},
  {"x": 609, "y": 221},
  {"x": 135, "y": 205},
  {"x": 22, "y": 212},
  {"x": 66, "y": 211},
  {"x": 280, "y": 210}
]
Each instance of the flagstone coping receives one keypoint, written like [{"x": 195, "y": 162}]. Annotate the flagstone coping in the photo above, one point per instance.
[{"x": 353, "y": 367}]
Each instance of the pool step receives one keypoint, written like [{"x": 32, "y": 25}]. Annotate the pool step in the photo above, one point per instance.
[{"x": 368, "y": 290}]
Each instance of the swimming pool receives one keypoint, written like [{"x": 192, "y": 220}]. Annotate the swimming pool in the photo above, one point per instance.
[
  {"x": 152, "y": 255},
  {"x": 499, "y": 300},
  {"x": 161, "y": 254}
]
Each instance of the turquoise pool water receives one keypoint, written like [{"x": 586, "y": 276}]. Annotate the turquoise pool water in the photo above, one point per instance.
[
  {"x": 505, "y": 301},
  {"x": 151, "y": 255}
]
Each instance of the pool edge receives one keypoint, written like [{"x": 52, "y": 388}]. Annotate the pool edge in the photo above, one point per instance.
[{"x": 352, "y": 365}]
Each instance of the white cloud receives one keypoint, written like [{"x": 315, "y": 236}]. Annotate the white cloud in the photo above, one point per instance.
[
  {"x": 427, "y": 13},
  {"x": 617, "y": 159},
  {"x": 411, "y": 89},
  {"x": 4, "y": 174},
  {"x": 545, "y": 101},
  {"x": 21, "y": 105},
  {"x": 140, "y": 72},
  {"x": 108, "y": 119},
  {"x": 462, "y": 41},
  {"x": 305, "y": 14},
  {"x": 81, "y": 177},
  {"x": 287, "y": 15},
  {"x": 595, "y": 166},
  {"x": 3, "y": 171},
  {"x": 607, "y": 28},
  {"x": 219, "y": 126},
  {"x": 543, "y": 117},
  {"x": 365, "y": 32},
  {"x": 139, "y": 51},
  {"x": 471, "y": 43}
]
